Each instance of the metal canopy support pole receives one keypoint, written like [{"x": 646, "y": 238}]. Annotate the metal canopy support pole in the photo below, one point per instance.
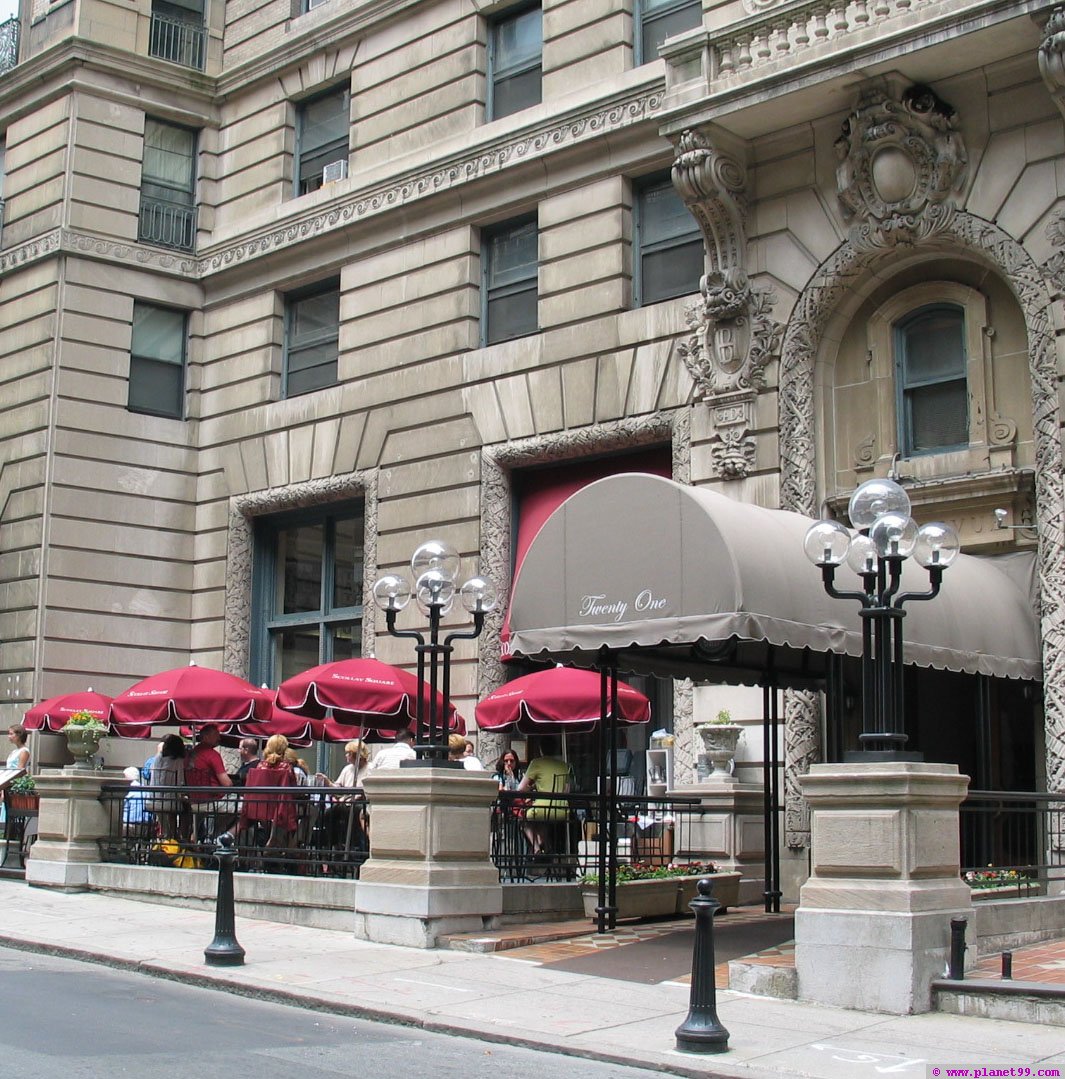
[
  {"x": 612, "y": 794},
  {"x": 771, "y": 794},
  {"x": 602, "y": 836}
]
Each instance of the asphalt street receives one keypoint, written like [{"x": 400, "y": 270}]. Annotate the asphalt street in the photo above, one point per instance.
[{"x": 70, "y": 1019}]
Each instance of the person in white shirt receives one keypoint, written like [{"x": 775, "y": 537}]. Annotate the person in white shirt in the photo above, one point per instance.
[
  {"x": 456, "y": 751},
  {"x": 400, "y": 750}
]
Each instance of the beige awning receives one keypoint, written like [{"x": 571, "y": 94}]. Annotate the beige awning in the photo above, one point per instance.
[{"x": 685, "y": 581}]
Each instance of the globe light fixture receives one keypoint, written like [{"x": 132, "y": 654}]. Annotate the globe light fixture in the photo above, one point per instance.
[
  {"x": 434, "y": 567},
  {"x": 887, "y": 536}
]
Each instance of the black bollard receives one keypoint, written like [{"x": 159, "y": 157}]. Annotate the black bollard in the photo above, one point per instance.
[
  {"x": 957, "y": 948},
  {"x": 702, "y": 1031},
  {"x": 1007, "y": 966},
  {"x": 224, "y": 951}
]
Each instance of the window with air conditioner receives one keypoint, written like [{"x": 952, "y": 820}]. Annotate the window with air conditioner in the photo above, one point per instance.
[{"x": 322, "y": 135}]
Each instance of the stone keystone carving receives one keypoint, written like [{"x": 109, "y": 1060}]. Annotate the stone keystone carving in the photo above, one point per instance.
[
  {"x": 732, "y": 336},
  {"x": 1052, "y": 55},
  {"x": 900, "y": 161}
]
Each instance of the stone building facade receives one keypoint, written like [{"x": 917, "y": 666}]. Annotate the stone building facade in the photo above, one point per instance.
[{"x": 287, "y": 286}]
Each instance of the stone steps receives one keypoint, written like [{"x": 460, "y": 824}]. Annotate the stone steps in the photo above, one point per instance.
[{"x": 1018, "y": 1001}]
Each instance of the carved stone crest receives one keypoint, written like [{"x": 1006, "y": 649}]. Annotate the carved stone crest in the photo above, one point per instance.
[
  {"x": 731, "y": 333},
  {"x": 1052, "y": 52},
  {"x": 900, "y": 161}
]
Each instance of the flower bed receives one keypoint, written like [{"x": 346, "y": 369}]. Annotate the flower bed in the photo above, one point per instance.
[{"x": 655, "y": 891}]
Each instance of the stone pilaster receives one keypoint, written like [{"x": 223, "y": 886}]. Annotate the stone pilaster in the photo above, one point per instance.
[
  {"x": 71, "y": 823},
  {"x": 430, "y": 870},
  {"x": 873, "y": 926}
]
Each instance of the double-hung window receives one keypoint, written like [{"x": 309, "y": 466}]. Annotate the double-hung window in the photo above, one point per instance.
[
  {"x": 168, "y": 186},
  {"x": 515, "y": 50},
  {"x": 322, "y": 137},
  {"x": 509, "y": 280},
  {"x": 157, "y": 361},
  {"x": 308, "y": 587},
  {"x": 658, "y": 19},
  {"x": 312, "y": 332},
  {"x": 931, "y": 384},
  {"x": 669, "y": 246}
]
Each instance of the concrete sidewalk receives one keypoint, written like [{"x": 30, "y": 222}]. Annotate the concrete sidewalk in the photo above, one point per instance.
[{"x": 505, "y": 999}]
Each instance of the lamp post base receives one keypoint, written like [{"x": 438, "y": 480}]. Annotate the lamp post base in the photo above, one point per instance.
[{"x": 878, "y": 756}]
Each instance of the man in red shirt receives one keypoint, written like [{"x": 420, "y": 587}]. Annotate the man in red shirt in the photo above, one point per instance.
[{"x": 205, "y": 768}]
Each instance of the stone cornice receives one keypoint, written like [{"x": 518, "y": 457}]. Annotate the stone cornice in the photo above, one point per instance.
[
  {"x": 491, "y": 158},
  {"x": 560, "y": 132}
]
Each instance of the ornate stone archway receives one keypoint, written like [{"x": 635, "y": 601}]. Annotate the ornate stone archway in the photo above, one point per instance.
[{"x": 843, "y": 270}]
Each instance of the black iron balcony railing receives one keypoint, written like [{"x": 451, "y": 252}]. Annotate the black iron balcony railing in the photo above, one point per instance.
[
  {"x": 167, "y": 224},
  {"x": 178, "y": 41},
  {"x": 8, "y": 44}
]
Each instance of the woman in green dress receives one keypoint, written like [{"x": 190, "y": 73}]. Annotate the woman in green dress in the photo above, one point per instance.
[{"x": 547, "y": 774}]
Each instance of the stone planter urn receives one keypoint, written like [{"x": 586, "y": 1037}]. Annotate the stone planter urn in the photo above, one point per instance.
[
  {"x": 720, "y": 741},
  {"x": 83, "y": 743},
  {"x": 665, "y": 896}
]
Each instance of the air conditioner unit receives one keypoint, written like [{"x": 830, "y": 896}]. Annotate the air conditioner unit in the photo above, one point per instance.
[
  {"x": 335, "y": 170},
  {"x": 312, "y": 4}
]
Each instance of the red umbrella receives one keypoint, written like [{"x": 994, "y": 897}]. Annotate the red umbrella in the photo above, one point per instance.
[
  {"x": 191, "y": 695},
  {"x": 52, "y": 714},
  {"x": 559, "y": 699},
  {"x": 356, "y": 692}
]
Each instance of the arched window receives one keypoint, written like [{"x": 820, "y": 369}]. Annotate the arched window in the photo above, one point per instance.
[{"x": 931, "y": 384}]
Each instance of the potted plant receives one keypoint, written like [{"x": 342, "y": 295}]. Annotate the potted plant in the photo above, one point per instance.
[
  {"x": 647, "y": 891},
  {"x": 22, "y": 794},
  {"x": 83, "y": 732},
  {"x": 720, "y": 737}
]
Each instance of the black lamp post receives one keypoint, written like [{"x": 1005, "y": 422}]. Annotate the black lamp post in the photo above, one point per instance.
[
  {"x": 887, "y": 536},
  {"x": 434, "y": 567}
]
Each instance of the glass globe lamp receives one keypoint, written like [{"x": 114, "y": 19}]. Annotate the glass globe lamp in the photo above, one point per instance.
[
  {"x": 478, "y": 595},
  {"x": 434, "y": 589},
  {"x": 894, "y": 535},
  {"x": 873, "y": 499},
  {"x": 827, "y": 543},
  {"x": 937, "y": 545},
  {"x": 391, "y": 593},
  {"x": 862, "y": 556},
  {"x": 435, "y": 555}
]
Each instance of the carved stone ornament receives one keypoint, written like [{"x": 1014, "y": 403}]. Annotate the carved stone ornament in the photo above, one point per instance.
[
  {"x": 1052, "y": 52},
  {"x": 845, "y": 269},
  {"x": 733, "y": 450},
  {"x": 732, "y": 335},
  {"x": 899, "y": 164}
]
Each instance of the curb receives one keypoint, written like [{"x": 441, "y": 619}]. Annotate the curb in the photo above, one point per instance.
[{"x": 698, "y": 1069}]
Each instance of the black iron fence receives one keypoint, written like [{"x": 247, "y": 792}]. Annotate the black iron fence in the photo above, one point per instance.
[
  {"x": 1012, "y": 841},
  {"x": 307, "y": 831},
  {"x": 555, "y": 837},
  {"x": 176, "y": 40}
]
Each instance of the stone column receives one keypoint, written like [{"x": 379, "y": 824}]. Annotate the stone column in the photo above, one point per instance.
[
  {"x": 873, "y": 926},
  {"x": 728, "y": 829},
  {"x": 430, "y": 871},
  {"x": 71, "y": 823}
]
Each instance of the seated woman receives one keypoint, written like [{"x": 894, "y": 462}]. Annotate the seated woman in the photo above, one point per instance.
[
  {"x": 273, "y": 815},
  {"x": 546, "y": 774},
  {"x": 168, "y": 770},
  {"x": 508, "y": 773},
  {"x": 345, "y": 819}
]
